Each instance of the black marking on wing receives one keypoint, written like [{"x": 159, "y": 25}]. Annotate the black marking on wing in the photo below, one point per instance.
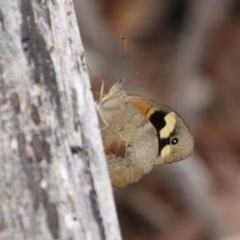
[{"x": 158, "y": 121}]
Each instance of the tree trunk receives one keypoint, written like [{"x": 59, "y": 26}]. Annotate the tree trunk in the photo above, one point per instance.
[{"x": 53, "y": 175}]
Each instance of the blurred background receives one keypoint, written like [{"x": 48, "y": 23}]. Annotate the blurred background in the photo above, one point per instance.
[{"x": 187, "y": 53}]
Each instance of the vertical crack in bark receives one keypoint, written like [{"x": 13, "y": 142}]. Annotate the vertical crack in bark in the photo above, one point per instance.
[
  {"x": 14, "y": 98},
  {"x": 94, "y": 201},
  {"x": 41, "y": 148},
  {"x": 3, "y": 98},
  {"x": 35, "y": 115},
  {"x": 46, "y": 150},
  {"x": 96, "y": 211},
  {"x": 52, "y": 214},
  {"x": 35, "y": 49},
  {"x": 28, "y": 169},
  {"x": 75, "y": 110},
  {"x": 2, "y": 21},
  {"x": 37, "y": 147}
]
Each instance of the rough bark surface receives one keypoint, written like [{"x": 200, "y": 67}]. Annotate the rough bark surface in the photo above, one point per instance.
[{"x": 53, "y": 176}]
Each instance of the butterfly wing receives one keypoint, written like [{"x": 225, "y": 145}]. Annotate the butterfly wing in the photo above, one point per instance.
[{"x": 175, "y": 141}]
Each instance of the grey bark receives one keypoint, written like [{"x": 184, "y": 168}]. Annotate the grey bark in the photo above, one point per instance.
[{"x": 53, "y": 176}]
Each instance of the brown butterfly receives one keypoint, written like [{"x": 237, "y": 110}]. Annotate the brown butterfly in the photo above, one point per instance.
[{"x": 138, "y": 133}]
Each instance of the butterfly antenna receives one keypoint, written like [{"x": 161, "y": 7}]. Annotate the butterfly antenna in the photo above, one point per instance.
[
  {"x": 124, "y": 62},
  {"x": 102, "y": 81},
  {"x": 135, "y": 76},
  {"x": 125, "y": 57}
]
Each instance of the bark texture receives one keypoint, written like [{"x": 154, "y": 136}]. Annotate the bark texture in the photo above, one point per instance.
[{"x": 53, "y": 176}]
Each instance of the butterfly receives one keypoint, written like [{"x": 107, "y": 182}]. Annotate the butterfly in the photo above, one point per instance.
[{"x": 139, "y": 133}]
